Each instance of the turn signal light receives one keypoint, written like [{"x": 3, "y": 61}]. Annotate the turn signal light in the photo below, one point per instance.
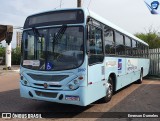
[{"x": 80, "y": 78}]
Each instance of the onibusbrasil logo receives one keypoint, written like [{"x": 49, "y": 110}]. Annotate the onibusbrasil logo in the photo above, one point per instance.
[{"x": 153, "y": 6}]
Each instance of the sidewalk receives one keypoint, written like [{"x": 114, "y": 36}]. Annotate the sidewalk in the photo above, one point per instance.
[{"x": 13, "y": 68}]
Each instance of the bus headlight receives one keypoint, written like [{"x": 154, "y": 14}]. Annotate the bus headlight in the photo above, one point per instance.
[
  {"x": 24, "y": 82},
  {"x": 76, "y": 82},
  {"x": 71, "y": 86}
]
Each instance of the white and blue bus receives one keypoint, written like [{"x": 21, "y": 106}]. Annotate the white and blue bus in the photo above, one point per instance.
[{"x": 74, "y": 56}]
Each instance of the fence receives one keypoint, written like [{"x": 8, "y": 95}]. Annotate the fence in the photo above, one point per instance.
[{"x": 154, "y": 55}]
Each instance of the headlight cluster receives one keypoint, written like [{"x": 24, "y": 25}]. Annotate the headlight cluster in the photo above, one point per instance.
[
  {"x": 24, "y": 81},
  {"x": 74, "y": 84}
]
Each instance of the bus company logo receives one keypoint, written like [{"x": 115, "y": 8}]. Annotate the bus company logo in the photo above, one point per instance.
[
  {"x": 6, "y": 115},
  {"x": 81, "y": 70},
  {"x": 119, "y": 64},
  {"x": 131, "y": 65},
  {"x": 111, "y": 63},
  {"x": 45, "y": 85},
  {"x": 153, "y": 6}
]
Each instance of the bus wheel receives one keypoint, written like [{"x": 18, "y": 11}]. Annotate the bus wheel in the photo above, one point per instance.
[
  {"x": 109, "y": 91},
  {"x": 139, "y": 81}
]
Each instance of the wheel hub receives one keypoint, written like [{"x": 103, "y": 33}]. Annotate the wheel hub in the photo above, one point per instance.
[{"x": 109, "y": 90}]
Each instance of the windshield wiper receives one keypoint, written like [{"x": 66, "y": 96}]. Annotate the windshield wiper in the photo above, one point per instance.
[
  {"x": 36, "y": 33},
  {"x": 60, "y": 33}
]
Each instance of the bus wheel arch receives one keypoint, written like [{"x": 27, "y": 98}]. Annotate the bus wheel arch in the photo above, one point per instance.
[
  {"x": 113, "y": 76},
  {"x": 111, "y": 88}
]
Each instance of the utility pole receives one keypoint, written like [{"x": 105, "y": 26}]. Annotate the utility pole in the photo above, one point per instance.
[
  {"x": 79, "y": 3},
  {"x": 60, "y": 3}
]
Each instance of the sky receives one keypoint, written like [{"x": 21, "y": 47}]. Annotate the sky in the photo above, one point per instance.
[{"x": 131, "y": 15}]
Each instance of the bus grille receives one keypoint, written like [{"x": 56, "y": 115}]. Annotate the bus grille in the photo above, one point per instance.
[
  {"x": 42, "y": 85},
  {"x": 46, "y": 94},
  {"x": 55, "y": 78}
]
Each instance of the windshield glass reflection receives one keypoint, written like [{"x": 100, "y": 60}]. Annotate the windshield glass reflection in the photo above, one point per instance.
[{"x": 58, "y": 48}]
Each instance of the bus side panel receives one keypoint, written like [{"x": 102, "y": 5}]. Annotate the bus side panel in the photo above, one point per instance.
[
  {"x": 142, "y": 64},
  {"x": 133, "y": 68},
  {"x": 95, "y": 92},
  {"x": 123, "y": 78},
  {"x": 127, "y": 70},
  {"x": 96, "y": 88},
  {"x": 145, "y": 64},
  {"x": 135, "y": 75},
  {"x": 111, "y": 66},
  {"x": 117, "y": 65}
]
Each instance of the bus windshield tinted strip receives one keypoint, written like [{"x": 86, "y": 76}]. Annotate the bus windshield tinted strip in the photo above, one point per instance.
[{"x": 55, "y": 18}]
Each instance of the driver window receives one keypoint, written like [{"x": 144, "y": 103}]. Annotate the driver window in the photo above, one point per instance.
[{"x": 95, "y": 45}]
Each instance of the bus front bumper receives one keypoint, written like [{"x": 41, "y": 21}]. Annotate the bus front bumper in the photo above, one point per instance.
[{"x": 75, "y": 97}]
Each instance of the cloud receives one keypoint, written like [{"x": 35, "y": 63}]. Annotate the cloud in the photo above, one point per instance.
[{"x": 131, "y": 15}]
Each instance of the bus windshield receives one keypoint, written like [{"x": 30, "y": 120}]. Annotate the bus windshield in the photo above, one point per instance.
[{"x": 57, "y": 48}]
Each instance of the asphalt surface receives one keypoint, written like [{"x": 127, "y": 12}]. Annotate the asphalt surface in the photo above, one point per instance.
[{"x": 143, "y": 97}]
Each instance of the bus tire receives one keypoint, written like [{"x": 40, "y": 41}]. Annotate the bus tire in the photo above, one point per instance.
[
  {"x": 139, "y": 81},
  {"x": 109, "y": 91}
]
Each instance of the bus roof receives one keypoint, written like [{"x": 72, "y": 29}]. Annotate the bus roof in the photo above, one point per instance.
[{"x": 108, "y": 23}]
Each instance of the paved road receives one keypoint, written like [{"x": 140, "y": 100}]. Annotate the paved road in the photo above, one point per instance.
[{"x": 133, "y": 98}]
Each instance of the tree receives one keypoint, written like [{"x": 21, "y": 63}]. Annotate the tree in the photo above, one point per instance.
[
  {"x": 152, "y": 37},
  {"x": 2, "y": 51},
  {"x": 2, "y": 54},
  {"x": 16, "y": 56}
]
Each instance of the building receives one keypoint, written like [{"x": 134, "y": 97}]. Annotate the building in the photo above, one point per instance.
[{"x": 18, "y": 38}]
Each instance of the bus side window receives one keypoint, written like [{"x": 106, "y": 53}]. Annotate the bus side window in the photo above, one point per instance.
[
  {"x": 128, "y": 46},
  {"x": 95, "y": 45},
  {"x": 134, "y": 47},
  {"x": 120, "y": 48},
  {"x": 109, "y": 41},
  {"x": 139, "y": 49},
  {"x": 146, "y": 51}
]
